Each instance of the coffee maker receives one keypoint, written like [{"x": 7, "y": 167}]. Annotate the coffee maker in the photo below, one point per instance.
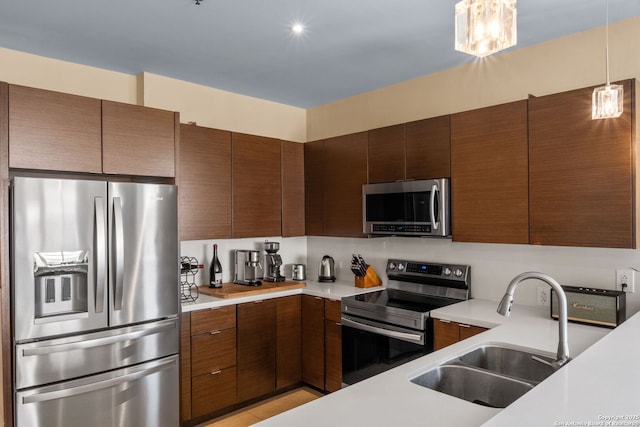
[
  {"x": 273, "y": 262},
  {"x": 247, "y": 268}
]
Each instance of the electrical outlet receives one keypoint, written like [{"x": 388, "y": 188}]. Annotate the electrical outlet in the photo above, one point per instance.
[
  {"x": 543, "y": 297},
  {"x": 625, "y": 276}
]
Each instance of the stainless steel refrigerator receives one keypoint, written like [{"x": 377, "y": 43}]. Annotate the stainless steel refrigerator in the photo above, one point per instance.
[{"x": 95, "y": 303}]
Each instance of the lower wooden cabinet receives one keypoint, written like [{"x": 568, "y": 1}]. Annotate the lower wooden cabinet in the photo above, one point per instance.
[
  {"x": 256, "y": 349},
  {"x": 321, "y": 343},
  {"x": 288, "y": 341},
  {"x": 213, "y": 391},
  {"x": 446, "y": 332}
]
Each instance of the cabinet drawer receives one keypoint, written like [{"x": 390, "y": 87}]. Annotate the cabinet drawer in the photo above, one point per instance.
[
  {"x": 213, "y": 319},
  {"x": 332, "y": 310},
  {"x": 213, "y": 391},
  {"x": 213, "y": 351}
]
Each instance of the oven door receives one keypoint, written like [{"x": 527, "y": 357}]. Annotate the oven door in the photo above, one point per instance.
[{"x": 370, "y": 347}]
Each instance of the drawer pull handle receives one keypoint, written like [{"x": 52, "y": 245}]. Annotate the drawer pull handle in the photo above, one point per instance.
[
  {"x": 258, "y": 301},
  {"x": 216, "y": 372},
  {"x": 462, "y": 325},
  {"x": 317, "y": 297},
  {"x": 444, "y": 321},
  {"x": 338, "y": 323},
  {"x": 215, "y": 332},
  {"x": 215, "y": 308}
]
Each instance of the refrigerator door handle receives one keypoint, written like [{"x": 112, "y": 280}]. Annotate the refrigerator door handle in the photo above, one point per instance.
[
  {"x": 144, "y": 330},
  {"x": 101, "y": 257},
  {"x": 118, "y": 248},
  {"x": 91, "y": 387}
]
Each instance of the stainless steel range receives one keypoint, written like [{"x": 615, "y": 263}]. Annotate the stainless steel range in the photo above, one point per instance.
[{"x": 384, "y": 329}]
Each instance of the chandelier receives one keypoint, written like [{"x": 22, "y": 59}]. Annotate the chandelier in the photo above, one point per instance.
[
  {"x": 607, "y": 100},
  {"x": 484, "y": 27}
]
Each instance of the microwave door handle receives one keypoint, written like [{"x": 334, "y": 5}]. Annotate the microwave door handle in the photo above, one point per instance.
[
  {"x": 432, "y": 207},
  {"x": 100, "y": 254},
  {"x": 91, "y": 387},
  {"x": 118, "y": 248}
]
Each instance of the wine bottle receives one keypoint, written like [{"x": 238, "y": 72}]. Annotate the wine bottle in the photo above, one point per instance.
[{"x": 215, "y": 270}]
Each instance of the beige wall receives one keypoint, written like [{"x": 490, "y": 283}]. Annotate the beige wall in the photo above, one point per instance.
[
  {"x": 219, "y": 109},
  {"x": 568, "y": 63},
  {"x": 207, "y": 106}
]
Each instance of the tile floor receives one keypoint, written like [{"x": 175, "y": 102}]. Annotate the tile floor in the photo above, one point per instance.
[{"x": 265, "y": 409}]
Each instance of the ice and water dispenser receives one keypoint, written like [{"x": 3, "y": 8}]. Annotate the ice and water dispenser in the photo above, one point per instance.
[{"x": 60, "y": 280}]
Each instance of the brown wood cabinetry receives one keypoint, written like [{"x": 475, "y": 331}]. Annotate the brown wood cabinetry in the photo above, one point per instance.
[
  {"x": 256, "y": 349},
  {"x": 257, "y": 199},
  {"x": 386, "y": 154},
  {"x": 54, "y": 131},
  {"x": 581, "y": 172},
  {"x": 185, "y": 367},
  {"x": 204, "y": 176},
  {"x": 446, "y": 332},
  {"x": 428, "y": 148},
  {"x": 289, "y": 341},
  {"x": 213, "y": 360},
  {"x": 313, "y": 341},
  {"x": 345, "y": 171},
  {"x": 332, "y": 345},
  {"x": 489, "y": 174},
  {"x": 314, "y": 188},
  {"x": 293, "y": 212},
  {"x": 138, "y": 140}
]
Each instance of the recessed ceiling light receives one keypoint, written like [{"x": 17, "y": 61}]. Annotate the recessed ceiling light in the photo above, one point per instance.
[{"x": 297, "y": 28}]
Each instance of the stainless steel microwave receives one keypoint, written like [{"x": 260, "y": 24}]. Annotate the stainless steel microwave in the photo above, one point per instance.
[{"x": 407, "y": 208}]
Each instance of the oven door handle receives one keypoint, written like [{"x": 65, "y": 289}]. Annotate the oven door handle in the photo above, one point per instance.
[{"x": 417, "y": 338}]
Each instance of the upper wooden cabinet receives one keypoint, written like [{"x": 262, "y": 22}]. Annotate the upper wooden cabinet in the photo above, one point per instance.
[
  {"x": 386, "y": 154},
  {"x": 314, "y": 188},
  {"x": 345, "y": 171},
  {"x": 54, "y": 131},
  {"x": 257, "y": 195},
  {"x": 581, "y": 171},
  {"x": 489, "y": 174},
  {"x": 204, "y": 177},
  {"x": 138, "y": 140},
  {"x": 293, "y": 212},
  {"x": 415, "y": 150},
  {"x": 428, "y": 148}
]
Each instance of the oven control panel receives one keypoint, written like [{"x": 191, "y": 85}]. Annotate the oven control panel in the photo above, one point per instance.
[{"x": 396, "y": 267}]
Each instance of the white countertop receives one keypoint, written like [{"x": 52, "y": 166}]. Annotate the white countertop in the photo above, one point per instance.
[
  {"x": 600, "y": 382},
  {"x": 335, "y": 290}
]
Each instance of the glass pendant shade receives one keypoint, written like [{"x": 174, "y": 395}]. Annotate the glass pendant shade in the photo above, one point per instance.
[
  {"x": 484, "y": 27},
  {"x": 607, "y": 102}
]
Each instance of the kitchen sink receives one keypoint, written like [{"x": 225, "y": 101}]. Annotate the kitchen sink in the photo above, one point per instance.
[
  {"x": 473, "y": 385},
  {"x": 491, "y": 375}
]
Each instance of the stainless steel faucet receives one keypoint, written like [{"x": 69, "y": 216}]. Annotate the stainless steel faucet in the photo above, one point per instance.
[{"x": 504, "y": 308}]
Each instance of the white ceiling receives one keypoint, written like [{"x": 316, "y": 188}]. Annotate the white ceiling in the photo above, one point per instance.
[{"x": 245, "y": 46}]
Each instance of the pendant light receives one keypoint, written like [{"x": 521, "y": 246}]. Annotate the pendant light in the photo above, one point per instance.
[
  {"x": 484, "y": 27},
  {"x": 607, "y": 100}
]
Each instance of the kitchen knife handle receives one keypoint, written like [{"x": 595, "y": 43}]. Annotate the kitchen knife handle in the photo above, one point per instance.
[
  {"x": 100, "y": 254},
  {"x": 432, "y": 207},
  {"x": 118, "y": 248}
]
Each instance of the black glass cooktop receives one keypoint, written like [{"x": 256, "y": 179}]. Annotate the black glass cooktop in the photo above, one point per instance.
[{"x": 404, "y": 300}]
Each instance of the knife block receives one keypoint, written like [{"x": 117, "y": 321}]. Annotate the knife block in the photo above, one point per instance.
[{"x": 369, "y": 280}]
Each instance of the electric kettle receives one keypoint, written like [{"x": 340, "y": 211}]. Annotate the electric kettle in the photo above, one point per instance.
[{"x": 327, "y": 270}]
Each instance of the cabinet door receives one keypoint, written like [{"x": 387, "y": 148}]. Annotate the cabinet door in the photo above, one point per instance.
[
  {"x": 138, "y": 140},
  {"x": 428, "y": 148},
  {"x": 489, "y": 174},
  {"x": 314, "y": 188},
  {"x": 386, "y": 159},
  {"x": 293, "y": 215},
  {"x": 345, "y": 160},
  {"x": 204, "y": 178},
  {"x": 445, "y": 333},
  {"x": 214, "y": 391},
  {"x": 185, "y": 367},
  {"x": 213, "y": 319},
  {"x": 467, "y": 331},
  {"x": 581, "y": 172},
  {"x": 213, "y": 351},
  {"x": 54, "y": 131},
  {"x": 313, "y": 340},
  {"x": 289, "y": 341},
  {"x": 256, "y": 184},
  {"x": 332, "y": 345},
  {"x": 256, "y": 349}
]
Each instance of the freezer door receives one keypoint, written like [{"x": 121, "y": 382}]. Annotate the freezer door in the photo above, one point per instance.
[
  {"x": 143, "y": 253},
  {"x": 142, "y": 395},
  {"x": 44, "y": 362},
  {"x": 59, "y": 255}
]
